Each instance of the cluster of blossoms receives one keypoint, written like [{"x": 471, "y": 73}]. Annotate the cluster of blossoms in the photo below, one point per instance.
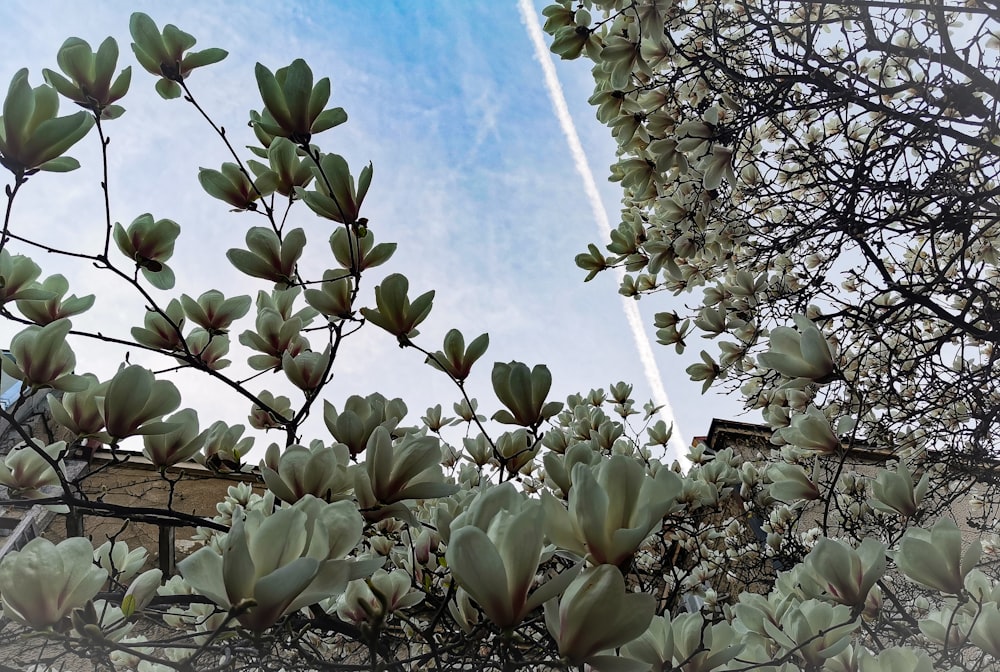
[{"x": 550, "y": 534}]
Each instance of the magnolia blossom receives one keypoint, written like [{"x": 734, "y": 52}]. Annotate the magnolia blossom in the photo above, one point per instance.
[
  {"x": 58, "y": 305},
  {"x": 78, "y": 411},
  {"x": 810, "y": 430},
  {"x": 42, "y": 358},
  {"x": 307, "y": 369},
  {"x": 296, "y": 471},
  {"x": 559, "y": 467},
  {"x": 985, "y": 632},
  {"x": 800, "y": 355},
  {"x": 613, "y": 507},
  {"x": 278, "y": 410},
  {"x": 895, "y": 492},
  {"x": 846, "y": 573},
  {"x": 177, "y": 445},
  {"x": 463, "y": 611},
  {"x": 274, "y": 564},
  {"x": 134, "y": 399},
  {"x": 655, "y": 646},
  {"x": 815, "y": 630},
  {"x": 370, "y": 600},
  {"x": 933, "y": 558},
  {"x": 945, "y": 627},
  {"x": 119, "y": 561},
  {"x": 596, "y": 613},
  {"x": 894, "y": 659},
  {"x": 43, "y": 582},
  {"x": 141, "y": 591},
  {"x": 789, "y": 482},
  {"x": 393, "y": 471},
  {"x": 359, "y": 604},
  {"x": 494, "y": 551},
  {"x": 716, "y": 166},
  {"x": 25, "y": 471},
  {"x": 224, "y": 448},
  {"x": 19, "y": 273},
  {"x": 686, "y": 638}
]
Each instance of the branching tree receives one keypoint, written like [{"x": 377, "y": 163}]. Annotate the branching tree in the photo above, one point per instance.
[
  {"x": 832, "y": 165},
  {"x": 765, "y": 151},
  {"x": 834, "y": 160}
]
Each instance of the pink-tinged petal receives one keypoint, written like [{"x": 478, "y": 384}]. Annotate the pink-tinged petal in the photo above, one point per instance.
[
  {"x": 552, "y": 588},
  {"x": 596, "y": 613},
  {"x": 81, "y": 578},
  {"x": 275, "y": 592},
  {"x": 43, "y": 582}
]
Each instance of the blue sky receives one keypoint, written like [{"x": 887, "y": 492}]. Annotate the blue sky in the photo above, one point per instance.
[{"x": 473, "y": 179}]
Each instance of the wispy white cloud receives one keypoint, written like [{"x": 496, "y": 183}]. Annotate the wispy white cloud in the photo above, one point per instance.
[{"x": 555, "y": 91}]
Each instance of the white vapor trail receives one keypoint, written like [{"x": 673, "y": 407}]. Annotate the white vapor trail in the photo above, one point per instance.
[{"x": 601, "y": 216}]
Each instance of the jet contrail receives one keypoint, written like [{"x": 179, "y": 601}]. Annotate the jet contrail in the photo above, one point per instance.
[{"x": 555, "y": 90}]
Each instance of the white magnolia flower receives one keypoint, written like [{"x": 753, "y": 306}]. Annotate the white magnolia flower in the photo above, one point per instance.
[
  {"x": 275, "y": 564},
  {"x": 596, "y": 613},
  {"x": 25, "y": 470},
  {"x": 810, "y": 430},
  {"x": 43, "y": 582},
  {"x": 494, "y": 552},
  {"x": 613, "y": 507},
  {"x": 385, "y": 592},
  {"x": 847, "y": 574},
  {"x": 933, "y": 557},
  {"x": 802, "y": 355},
  {"x": 118, "y": 560}
]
